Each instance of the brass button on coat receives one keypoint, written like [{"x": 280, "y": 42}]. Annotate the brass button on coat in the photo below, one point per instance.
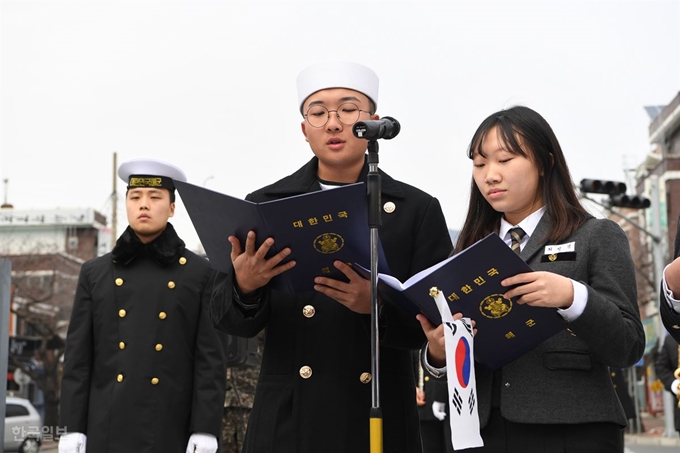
[
  {"x": 171, "y": 284},
  {"x": 119, "y": 281},
  {"x": 365, "y": 378},
  {"x": 154, "y": 381},
  {"x": 121, "y": 345},
  {"x": 122, "y": 313},
  {"x": 306, "y": 372},
  {"x": 159, "y": 347},
  {"x": 182, "y": 260},
  {"x": 308, "y": 311},
  {"x": 389, "y": 207},
  {"x": 119, "y": 378},
  {"x": 162, "y": 315}
]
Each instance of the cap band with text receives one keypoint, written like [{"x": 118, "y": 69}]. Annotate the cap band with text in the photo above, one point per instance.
[{"x": 151, "y": 181}]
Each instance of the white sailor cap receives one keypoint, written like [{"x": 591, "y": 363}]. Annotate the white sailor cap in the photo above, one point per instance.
[
  {"x": 337, "y": 74},
  {"x": 149, "y": 172}
]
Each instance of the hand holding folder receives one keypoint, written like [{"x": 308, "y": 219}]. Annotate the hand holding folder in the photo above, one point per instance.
[
  {"x": 319, "y": 227},
  {"x": 471, "y": 283}
]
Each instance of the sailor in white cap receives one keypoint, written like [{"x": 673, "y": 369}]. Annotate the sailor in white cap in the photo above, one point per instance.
[
  {"x": 314, "y": 391},
  {"x": 143, "y": 367}
]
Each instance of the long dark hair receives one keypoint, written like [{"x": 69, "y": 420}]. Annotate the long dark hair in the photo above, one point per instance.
[{"x": 524, "y": 132}]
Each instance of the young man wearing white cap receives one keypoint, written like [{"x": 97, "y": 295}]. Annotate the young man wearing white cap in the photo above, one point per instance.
[
  {"x": 143, "y": 367},
  {"x": 314, "y": 391}
]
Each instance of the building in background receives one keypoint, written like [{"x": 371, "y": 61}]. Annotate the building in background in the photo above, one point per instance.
[
  {"x": 47, "y": 249},
  {"x": 657, "y": 178}
]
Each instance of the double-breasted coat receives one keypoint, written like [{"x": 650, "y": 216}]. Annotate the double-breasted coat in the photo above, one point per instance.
[
  {"x": 670, "y": 318},
  {"x": 314, "y": 389},
  {"x": 566, "y": 379},
  {"x": 143, "y": 366}
]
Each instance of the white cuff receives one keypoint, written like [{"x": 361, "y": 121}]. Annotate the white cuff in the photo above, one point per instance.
[
  {"x": 202, "y": 443},
  {"x": 578, "y": 305},
  {"x": 674, "y": 303},
  {"x": 72, "y": 443},
  {"x": 436, "y": 372}
]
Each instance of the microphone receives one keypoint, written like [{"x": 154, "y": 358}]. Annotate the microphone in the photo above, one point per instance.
[{"x": 386, "y": 128}]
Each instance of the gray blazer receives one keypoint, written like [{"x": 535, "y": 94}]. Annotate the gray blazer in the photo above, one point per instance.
[{"x": 566, "y": 378}]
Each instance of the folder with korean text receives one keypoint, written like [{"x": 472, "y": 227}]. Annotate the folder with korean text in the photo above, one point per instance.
[
  {"x": 319, "y": 227},
  {"x": 470, "y": 281}
]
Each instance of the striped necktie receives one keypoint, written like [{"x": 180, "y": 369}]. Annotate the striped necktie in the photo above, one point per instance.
[{"x": 516, "y": 235}]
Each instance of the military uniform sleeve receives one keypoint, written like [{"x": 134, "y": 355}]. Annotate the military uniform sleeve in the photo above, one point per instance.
[
  {"x": 233, "y": 317},
  {"x": 669, "y": 317},
  {"x": 209, "y": 373},
  {"x": 78, "y": 360}
]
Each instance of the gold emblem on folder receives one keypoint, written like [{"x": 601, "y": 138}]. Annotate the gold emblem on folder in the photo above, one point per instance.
[
  {"x": 495, "y": 306},
  {"x": 328, "y": 243}
]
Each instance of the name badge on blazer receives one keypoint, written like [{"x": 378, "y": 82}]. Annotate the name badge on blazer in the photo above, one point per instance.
[{"x": 561, "y": 252}]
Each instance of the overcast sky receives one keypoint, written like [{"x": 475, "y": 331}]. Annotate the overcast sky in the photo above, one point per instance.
[{"x": 210, "y": 86}]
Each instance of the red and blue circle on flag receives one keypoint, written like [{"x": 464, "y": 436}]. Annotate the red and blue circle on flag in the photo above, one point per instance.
[{"x": 463, "y": 362}]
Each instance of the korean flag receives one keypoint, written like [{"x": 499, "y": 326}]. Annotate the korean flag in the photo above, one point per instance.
[{"x": 461, "y": 378}]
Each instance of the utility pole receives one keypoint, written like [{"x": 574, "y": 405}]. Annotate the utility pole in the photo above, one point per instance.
[
  {"x": 114, "y": 203},
  {"x": 5, "y": 296}
]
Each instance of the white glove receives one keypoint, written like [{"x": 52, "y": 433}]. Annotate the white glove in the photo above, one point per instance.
[
  {"x": 439, "y": 410},
  {"x": 675, "y": 386},
  {"x": 201, "y": 443},
  {"x": 72, "y": 443}
]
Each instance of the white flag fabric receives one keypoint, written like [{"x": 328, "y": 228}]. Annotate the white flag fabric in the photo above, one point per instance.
[{"x": 460, "y": 368}]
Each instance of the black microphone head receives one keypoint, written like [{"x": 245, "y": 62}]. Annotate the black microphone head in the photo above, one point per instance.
[
  {"x": 386, "y": 128},
  {"x": 394, "y": 131},
  {"x": 359, "y": 129}
]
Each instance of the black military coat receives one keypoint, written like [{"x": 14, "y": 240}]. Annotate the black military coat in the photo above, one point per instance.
[
  {"x": 143, "y": 365},
  {"x": 314, "y": 388}
]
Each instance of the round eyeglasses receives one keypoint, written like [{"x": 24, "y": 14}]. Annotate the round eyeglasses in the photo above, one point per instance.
[{"x": 347, "y": 113}]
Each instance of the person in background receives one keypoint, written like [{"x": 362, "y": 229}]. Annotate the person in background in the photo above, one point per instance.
[
  {"x": 668, "y": 371},
  {"x": 238, "y": 403},
  {"x": 144, "y": 368},
  {"x": 431, "y": 398},
  {"x": 559, "y": 396},
  {"x": 621, "y": 386},
  {"x": 314, "y": 389}
]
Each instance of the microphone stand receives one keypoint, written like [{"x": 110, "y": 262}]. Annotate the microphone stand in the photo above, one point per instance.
[{"x": 374, "y": 222}]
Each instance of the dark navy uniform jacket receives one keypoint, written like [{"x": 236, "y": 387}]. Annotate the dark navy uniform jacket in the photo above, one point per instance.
[
  {"x": 143, "y": 365},
  {"x": 314, "y": 389}
]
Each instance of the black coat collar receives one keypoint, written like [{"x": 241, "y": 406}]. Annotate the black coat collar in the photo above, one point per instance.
[
  {"x": 164, "y": 249},
  {"x": 305, "y": 180}
]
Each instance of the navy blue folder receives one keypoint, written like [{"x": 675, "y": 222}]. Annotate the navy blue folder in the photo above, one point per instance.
[
  {"x": 319, "y": 227},
  {"x": 471, "y": 283}
]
